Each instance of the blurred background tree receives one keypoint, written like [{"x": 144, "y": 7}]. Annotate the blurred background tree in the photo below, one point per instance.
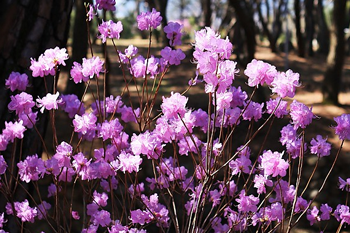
[{"x": 27, "y": 29}]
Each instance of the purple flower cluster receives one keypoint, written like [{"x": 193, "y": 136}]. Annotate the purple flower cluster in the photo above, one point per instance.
[
  {"x": 260, "y": 72},
  {"x": 343, "y": 126},
  {"x": 108, "y": 5},
  {"x": 173, "y": 33},
  {"x": 110, "y": 29},
  {"x": 282, "y": 83},
  {"x": 17, "y": 81},
  {"x": 211, "y": 55},
  {"x": 148, "y": 20},
  {"x": 48, "y": 62},
  {"x": 86, "y": 70},
  {"x": 142, "y": 179}
]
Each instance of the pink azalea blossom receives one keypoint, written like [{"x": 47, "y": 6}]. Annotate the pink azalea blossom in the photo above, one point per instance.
[
  {"x": 326, "y": 211},
  {"x": 280, "y": 110},
  {"x": 21, "y": 103},
  {"x": 92, "y": 66},
  {"x": 90, "y": 14},
  {"x": 3, "y": 142},
  {"x": 174, "y": 105},
  {"x": 260, "y": 72},
  {"x": 28, "y": 119},
  {"x": 273, "y": 164},
  {"x": 312, "y": 216},
  {"x": 108, "y": 130},
  {"x": 110, "y": 29},
  {"x": 301, "y": 115},
  {"x": 173, "y": 56},
  {"x": 102, "y": 218},
  {"x": 140, "y": 217},
  {"x": 260, "y": 182},
  {"x": 300, "y": 205},
  {"x": 247, "y": 203},
  {"x": 2, "y": 221},
  {"x": 13, "y": 130},
  {"x": 82, "y": 124},
  {"x": 100, "y": 198},
  {"x": 320, "y": 146},
  {"x": 342, "y": 214},
  {"x": 344, "y": 184},
  {"x": 23, "y": 211},
  {"x": 47, "y": 62},
  {"x": 138, "y": 67},
  {"x": 129, "y": 163},
  {"x": 148, "y": 20},
  {"x": 173, "y": 33},
  {"x": 48, "y": 102},
  {"x": 17, "y": 81},
  {"x": 31, "y": 169},
  {"x": 3, "y": 165},
  {"x": 86, "y": 70},
  {"x": 75, "y": 215},
  {"x": 343, "y": 126},
  {"x": 71, "y": 105},
  {"x": 42, "y": 209},
  {"x": 285, "y": 84},
  {"x": 207, "y": 39},
  {"x": 253, "y": 111},
  {"x": 108, "y": 5}
]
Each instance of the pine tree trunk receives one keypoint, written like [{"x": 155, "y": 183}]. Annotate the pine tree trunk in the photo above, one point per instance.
[
  {"x": 79, "y": 45},
  {"x": 266, "y": 28},
  {"x": 309, "y": 25},
  {"x": 207, "y": 12},
  {"x": 27, "y": 29},
  {"x": 245, "y": 17},
  {"x": 335, "y": 59},
  {"x": 300, "y": 39},
  {"x": 323, "y": 32}
]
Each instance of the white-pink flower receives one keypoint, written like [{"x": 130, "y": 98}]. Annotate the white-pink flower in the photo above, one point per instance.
[
  {"x": 273, "y": 164},
  {"x": 48, "y": 102}
]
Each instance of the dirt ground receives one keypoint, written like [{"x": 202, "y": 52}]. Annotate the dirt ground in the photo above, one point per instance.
[{"x": 311, "y": 76}]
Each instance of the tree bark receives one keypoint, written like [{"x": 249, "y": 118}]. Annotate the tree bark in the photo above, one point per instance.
[
  {"x": 79, "y": 45},
  {"x": 335, "y": 59},
  {"x": 323, "y": 31},
  {"x": 27, "y": 29},
  {"x": 266, "y": 28},
  {"x": 207, "y": 12},
  {"x": 277, "y": 23},
  {"x": 299, "y": 35},
  {"x": 309, "y": 25},
  {"x": 245, "y": 16}
]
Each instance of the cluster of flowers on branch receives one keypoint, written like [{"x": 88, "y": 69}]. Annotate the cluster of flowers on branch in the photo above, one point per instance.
[{"x": 181, "y": 170}]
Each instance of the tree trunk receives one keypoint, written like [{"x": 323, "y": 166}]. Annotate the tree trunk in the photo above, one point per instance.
[
  {"x": 277, "y": 23},
  {"x": 245, "y": 22},
  {"x": 245, "y": 16},
  {"x": 323, "y": 31},
  {"x": 207, "y": 12},
  {"x": 299, "y": 35},
  {"x": 79, "y": 46},
  {"x": 27, "y": 29},
  {"x": 335, "y": 59},
  {"x": 265, "y": 28},
  {"x": 309, "y": 25}
]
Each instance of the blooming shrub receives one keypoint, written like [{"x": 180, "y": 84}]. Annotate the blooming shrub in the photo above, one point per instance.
[{"x": 180, "y": 171}]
